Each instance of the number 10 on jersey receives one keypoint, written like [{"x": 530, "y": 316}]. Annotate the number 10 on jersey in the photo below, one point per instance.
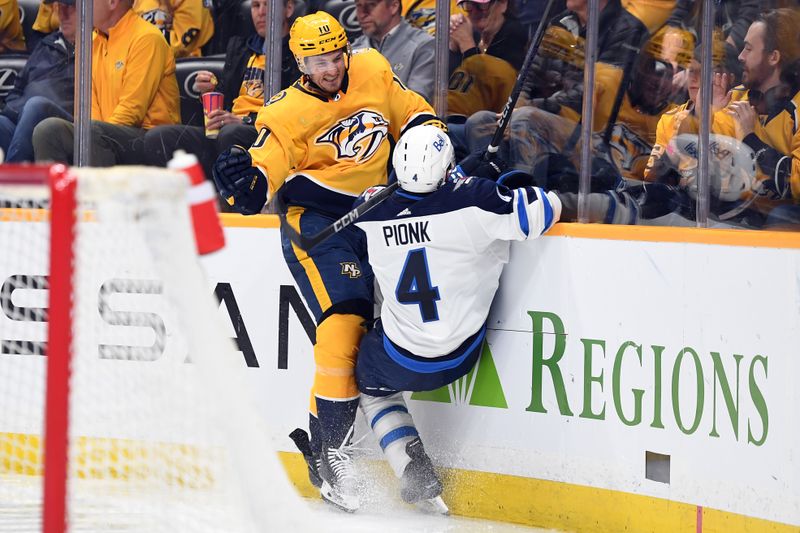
[{"x": 415, "y": 287}]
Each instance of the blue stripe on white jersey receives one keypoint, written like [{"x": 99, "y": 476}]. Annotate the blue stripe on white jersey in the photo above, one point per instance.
[
  {"x": 522, "y": 213},
  {"x": 548, "y": 209}
]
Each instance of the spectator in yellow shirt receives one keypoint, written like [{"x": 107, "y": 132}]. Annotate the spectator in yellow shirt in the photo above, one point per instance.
[
  {"x": 186, "y": 24},
  {"x": 133, "y": 89},
  {"x": 242, "y": 85}
]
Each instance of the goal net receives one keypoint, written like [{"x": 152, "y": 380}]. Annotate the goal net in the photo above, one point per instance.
[{"x": 123, "y": 406}]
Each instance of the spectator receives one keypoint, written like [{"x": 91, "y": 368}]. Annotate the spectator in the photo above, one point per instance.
[
  {"x": 12, "y": 38},
  {"x": 409, "y": 50},
  {"x": 46, "y": 22},
  {"x": 133, "y": 89},
  {"x": 186, "y": 24},
  {"x": 242, "y": 85},
  {"x": 762, "y": 115},
  {"x": 321, "y": 142},
  {"x": 44, "y": 88},
  {"x": 733, "y": 17},
  {"x": 485, "y": 55},
  {"x": 684, "y": 118},
  {"x": 627, "y": 110},
  {"x": 555, "y": 81}
]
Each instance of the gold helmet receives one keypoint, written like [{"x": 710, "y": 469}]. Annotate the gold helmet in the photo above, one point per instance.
[{"x": 315, "y": 34}]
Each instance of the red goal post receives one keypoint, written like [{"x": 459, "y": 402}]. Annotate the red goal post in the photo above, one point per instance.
[{"x": 148, "y": 424}]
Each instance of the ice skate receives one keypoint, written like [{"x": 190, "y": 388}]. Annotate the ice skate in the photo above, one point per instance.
[
  {"x": 338, "y": 473},
  {"x": 420, "y": 483},
  {"x": 300, "y": 438}
]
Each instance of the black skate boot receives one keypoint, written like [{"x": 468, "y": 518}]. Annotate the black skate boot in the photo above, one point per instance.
[
  {"x": 338, "y": 473},
  {"x": 300, "y": 438},
  {"x": 420, "y": 483}
]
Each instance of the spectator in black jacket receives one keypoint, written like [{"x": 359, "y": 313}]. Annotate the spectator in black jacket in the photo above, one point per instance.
[
  {"x": 242, "y": 85},
  {"x": 44, "y": 88}
]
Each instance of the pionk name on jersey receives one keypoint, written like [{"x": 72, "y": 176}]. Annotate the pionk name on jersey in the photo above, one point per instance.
[{"x": 406, "y": 233}]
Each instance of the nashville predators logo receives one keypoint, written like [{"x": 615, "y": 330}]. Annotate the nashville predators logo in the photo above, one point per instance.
[
  {"x": 253, "y": 82},
  {"x": 351, "y": 270},
  {"x": 357, "y": 137}
]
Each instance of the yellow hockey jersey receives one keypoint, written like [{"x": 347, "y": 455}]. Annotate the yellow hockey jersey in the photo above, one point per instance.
[
  {"x": 133, "y": 76},
  {"x": 12, "y": 39},
  {"x": 186, "y": 24},
  {"x": 321, "y": 152},
  {"x": 481, "y": 81},
  {"x": 678, "y": 120}
]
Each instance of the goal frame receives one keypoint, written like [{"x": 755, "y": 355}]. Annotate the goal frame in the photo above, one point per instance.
[{"x": 62, "y": 185}]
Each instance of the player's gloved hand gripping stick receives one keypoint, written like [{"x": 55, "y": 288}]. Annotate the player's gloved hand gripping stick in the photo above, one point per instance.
[{"x": 241, "y": 184}]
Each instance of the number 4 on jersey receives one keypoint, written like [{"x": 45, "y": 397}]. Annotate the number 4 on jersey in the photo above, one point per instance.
[{"x": 415, "y": 287}]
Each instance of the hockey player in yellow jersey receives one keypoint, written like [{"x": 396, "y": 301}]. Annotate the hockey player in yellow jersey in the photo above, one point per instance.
[{"x": 321, "y": 142}]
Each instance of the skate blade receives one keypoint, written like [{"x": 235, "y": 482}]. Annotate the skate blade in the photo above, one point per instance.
[
  {"x": 433, "y": 506},
  {"x": 346, "y": 504}
]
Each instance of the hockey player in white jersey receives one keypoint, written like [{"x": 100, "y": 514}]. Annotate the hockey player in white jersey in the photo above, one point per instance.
[{"x": 437, "y": 247}]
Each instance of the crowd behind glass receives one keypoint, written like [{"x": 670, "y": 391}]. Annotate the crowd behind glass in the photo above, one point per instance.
[{"x": 694, "y": 105}]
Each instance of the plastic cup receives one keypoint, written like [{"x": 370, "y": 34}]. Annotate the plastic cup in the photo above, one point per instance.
[{"x": 211, "y": 101}]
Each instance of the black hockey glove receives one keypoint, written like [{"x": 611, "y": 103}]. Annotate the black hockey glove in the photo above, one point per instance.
[
  {"x": 475, "y": 165},
  {"x": 516, "y": 179},
  {"x": 777, "y": 186},
  {"x": 242, "y": 186}
]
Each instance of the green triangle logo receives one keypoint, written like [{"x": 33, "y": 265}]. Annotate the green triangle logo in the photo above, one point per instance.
[{"x": 481, "y": 386}]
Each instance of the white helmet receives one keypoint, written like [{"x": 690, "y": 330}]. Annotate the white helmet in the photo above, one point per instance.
[
  {"x": 422, "y": 158},
  {"x": 732, "y": 169}
]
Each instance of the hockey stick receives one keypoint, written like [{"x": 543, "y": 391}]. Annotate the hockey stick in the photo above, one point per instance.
[
  {"x": 505, "y": 117},
  {"x": 308, "y": 242}
]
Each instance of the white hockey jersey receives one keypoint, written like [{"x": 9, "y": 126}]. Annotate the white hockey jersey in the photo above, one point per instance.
[{"x": 438, "y": 257}]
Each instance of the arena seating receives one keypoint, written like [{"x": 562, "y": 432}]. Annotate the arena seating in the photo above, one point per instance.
[
  {"x": 345, "y": 12},
  {"x": 10, "y": 66}
]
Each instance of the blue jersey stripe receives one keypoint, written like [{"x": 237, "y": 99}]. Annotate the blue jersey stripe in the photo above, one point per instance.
[
  {"x": 386, "y": 411},
  {"x": 429, "y": 367},
  {"x": 522, "y": 213},
  {"x": 409, "y": 195},
  {"x": 395, "y": 434},
  {"x": 548, "y": 210}
]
